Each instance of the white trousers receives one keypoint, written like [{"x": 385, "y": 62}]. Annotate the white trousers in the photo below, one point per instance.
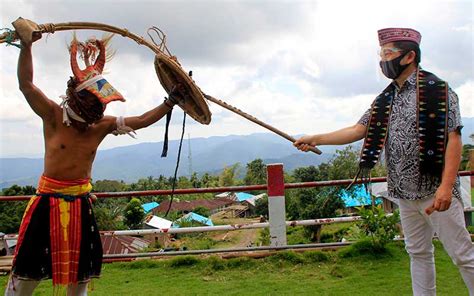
[
  {"x": 419, "y": 230},
  {"x": 17, "y": 287}
]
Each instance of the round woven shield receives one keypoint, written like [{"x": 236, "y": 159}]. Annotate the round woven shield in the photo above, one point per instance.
[{"x": 170, "y": 75}]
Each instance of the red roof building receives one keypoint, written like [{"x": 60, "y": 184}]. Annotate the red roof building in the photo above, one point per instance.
[{"x": 123, "y": 244}]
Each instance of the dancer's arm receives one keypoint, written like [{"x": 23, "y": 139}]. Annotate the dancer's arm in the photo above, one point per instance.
[
  {"x": 40, "y": 104},
  {"x": 148, "y": 118}
]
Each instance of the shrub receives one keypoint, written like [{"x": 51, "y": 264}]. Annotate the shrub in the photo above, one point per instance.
[
  {"x": 377, "y": 226},
  {"x": 216, "y": 263},
  {"x": 264, "y": 238},
  {"x": 140, "y": 264},
  {"x": 470, "y": 228},
  {"x": 365, "y": 248},
  {"x": 287, "y": 256},
  {"x": 240, "y": 262},
  {"x": 315, "y": 256},
  {"x": 184, "y": 261}
]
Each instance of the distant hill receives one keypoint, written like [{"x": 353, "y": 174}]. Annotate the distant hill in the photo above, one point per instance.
[{"x": 130, "y": 163}]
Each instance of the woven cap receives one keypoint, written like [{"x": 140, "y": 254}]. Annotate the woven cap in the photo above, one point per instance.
[{"x": 398, "y": 34}]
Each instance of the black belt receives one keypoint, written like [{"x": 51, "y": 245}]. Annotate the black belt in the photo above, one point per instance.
[{"x": 66, "y": 197}]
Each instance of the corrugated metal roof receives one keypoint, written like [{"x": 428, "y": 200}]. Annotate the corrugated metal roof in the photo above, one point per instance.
[
  {"x": 358, "y": 197},
  {"x": 149, "y": 206},
  {"x": 254, "y": 198},
  {"x": 189, "y": 206},
  {"x": 158, "y": 222},
  {"x": 241, "y": 196},
  {"x": 196, "y": 217},
  {"x": 123, "y": 244}
]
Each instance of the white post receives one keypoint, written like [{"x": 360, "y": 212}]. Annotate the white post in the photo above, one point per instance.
[{"x": 276, "y": 204}]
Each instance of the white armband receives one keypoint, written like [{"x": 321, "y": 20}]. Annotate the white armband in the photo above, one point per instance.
[{"x": 123, "y": 129}]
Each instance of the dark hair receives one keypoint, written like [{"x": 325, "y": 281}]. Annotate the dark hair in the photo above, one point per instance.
[
  {"x": 408, "y": 46},
  {"x": 84, "y": 103}
]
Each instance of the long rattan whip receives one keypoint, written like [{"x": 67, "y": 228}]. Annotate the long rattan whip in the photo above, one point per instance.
[{"x": 257, "y": 121}]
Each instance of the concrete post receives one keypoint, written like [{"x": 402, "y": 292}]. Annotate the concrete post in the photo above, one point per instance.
[
  {"x": 276, "y": 204},
  {"x": 470, "y": 166}
]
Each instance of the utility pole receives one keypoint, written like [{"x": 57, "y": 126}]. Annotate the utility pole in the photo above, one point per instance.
[{"x": 190, "y": 159}]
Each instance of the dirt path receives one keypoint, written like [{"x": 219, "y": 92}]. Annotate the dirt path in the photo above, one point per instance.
[{"x": 238, "y": 238}]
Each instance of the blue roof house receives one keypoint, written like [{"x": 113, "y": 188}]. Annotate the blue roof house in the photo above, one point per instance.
[
  {"x": 241, "y": 196},
  {"x": 193, "y": 217},
  {"x": 358, "y": 197},
  {"x": 149, "y": 206}
]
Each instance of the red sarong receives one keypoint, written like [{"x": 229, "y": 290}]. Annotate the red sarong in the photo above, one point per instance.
[{"x": 70, "y": 252}]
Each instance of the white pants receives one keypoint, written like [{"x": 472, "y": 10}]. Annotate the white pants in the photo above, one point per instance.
[
  {"x": 17, "y": 287},
  {"x": 419, "y": 230}
]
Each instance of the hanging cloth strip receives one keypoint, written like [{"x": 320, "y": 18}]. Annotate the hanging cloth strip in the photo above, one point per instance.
[
  {"x": 432, "y": 95},
  {"x": 164, "y": 152},
  {"x": 176, "y": 97},
  {"x": 433, "y": 111}
]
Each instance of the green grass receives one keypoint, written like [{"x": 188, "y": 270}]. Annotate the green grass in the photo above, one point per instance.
[{"x": 286, "y": 273}]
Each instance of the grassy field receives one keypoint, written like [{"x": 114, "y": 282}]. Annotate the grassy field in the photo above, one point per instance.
[{"x": 286, "y": 273}]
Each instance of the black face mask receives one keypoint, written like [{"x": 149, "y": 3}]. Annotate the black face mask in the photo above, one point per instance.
[{"x": 392, "y": 69}]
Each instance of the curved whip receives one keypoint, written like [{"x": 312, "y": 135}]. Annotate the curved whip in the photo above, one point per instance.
[{"x": 50, "y": 28}]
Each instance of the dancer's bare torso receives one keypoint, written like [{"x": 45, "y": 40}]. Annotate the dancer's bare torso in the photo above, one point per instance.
[{"x": 70, "y": 152}]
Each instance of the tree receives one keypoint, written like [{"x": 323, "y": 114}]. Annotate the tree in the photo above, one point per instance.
[
  {"x": 256, "y": 172},
  {"x": 307, "y": 174},
  {"x": 465, "y": 157},
  {"x": 183, "y": 182},
  {"x": 314, "y": 204},
  {"x": 261, "y": 207},
  {"x": 19, "y": 190},
  {"x": 203, "y": 211},
  {"x": 321, "y": 202},
  {"x": 208, "y": 180},
  {"x": 134, "y": 214},
  {"x": 11, "y": 212},
  {"x": 228, "y": 175},
  {"x": 196, "y": 183},
  {"x": 108, "y": 186},
  {"x": 344, "y": 164},
  {"x": 109, "y": 217}
]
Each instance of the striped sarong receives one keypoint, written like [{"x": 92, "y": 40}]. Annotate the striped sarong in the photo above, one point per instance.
[{"x": 58, "y": 237}]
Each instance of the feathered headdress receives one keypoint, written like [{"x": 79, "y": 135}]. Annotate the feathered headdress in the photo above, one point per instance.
[{"x": 94, "y": 54}]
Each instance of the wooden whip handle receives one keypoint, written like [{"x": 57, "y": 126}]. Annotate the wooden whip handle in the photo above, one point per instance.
[{"x": 255, "y": 120}]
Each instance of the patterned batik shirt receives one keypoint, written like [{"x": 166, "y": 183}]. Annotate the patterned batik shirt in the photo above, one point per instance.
[{"x": 402, "y": 147}]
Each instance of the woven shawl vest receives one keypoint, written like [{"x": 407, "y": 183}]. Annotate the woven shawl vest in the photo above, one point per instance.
[{"x": 432, "y": 115}]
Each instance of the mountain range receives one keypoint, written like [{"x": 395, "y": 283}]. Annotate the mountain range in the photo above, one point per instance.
[{"x": 212, "y": 155}]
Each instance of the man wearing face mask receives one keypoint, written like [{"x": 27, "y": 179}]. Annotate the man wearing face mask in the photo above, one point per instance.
[{"x": 416, "y": 119}]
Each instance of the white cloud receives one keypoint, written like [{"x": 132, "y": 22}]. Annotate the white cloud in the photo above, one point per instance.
[
  {"x": 465, "y": 93},
  {"x": 301, "y": 66}
]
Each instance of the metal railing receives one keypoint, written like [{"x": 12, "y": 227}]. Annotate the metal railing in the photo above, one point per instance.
[
  {"x": 221, "y": 189},
  {"x": 231, "y": 227}
]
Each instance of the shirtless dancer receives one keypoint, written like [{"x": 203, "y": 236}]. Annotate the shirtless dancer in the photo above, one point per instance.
[{"x": 58, "y": 236}]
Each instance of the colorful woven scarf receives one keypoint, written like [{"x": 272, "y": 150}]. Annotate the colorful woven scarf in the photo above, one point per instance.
[{"x": 432, "y": 110}]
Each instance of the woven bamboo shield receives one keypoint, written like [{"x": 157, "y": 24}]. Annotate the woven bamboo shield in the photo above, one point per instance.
[{"x": 172, "y": 75}]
